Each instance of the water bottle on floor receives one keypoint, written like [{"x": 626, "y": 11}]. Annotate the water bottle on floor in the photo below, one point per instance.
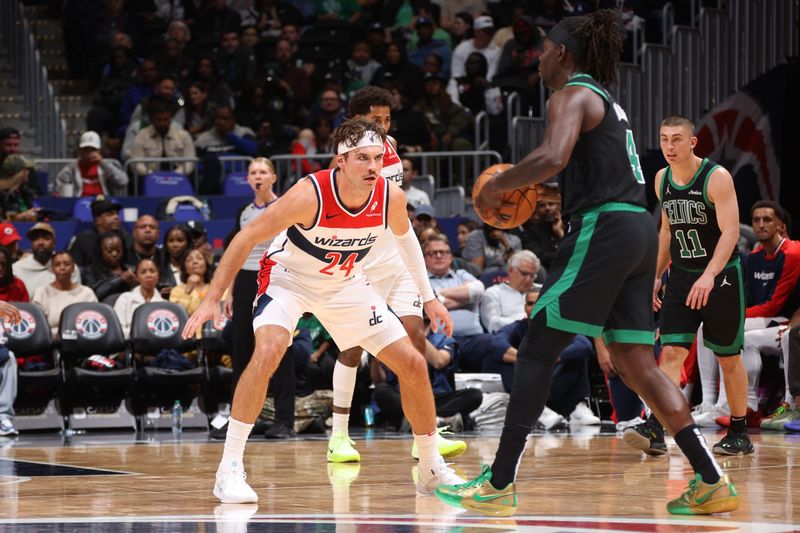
[{"x": 177, "y": 417}]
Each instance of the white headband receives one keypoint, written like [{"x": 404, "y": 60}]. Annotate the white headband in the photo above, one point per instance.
[{"x": 370, "y": 138}]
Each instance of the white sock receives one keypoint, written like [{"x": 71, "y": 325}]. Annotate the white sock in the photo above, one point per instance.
[
  {"x": 341, "y": 421},
  {"x": 235, "y": 440},
  {"x": 428, "y": 449},
  {"x": 344, "y": 383}
]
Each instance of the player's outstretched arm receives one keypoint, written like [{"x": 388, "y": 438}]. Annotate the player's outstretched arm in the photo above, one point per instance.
[
  {"x": 722, "y": 194},
  {"x": 297, "y": 206},
  {"x": 411, "y": 253}
]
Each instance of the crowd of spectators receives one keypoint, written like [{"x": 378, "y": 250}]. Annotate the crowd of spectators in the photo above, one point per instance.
[{"x": 202, "y": 78}]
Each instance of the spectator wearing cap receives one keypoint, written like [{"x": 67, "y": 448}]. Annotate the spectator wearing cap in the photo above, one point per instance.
[
  {"x": 16, "y": 194},
  {"x": 438, "y": 32},
  {"x": 91, "y": 174},
  {"x": 11, "y": 287},
  {"x": 9, "y": 238},
  {"x": 483, "y": 29},
  {"x": 450, "y": 123},
  {"x": 199, "y": 236},
  {"x": 427, "y": 45},
  {"x": 424, "y": 217},
  {"x": 162, "y": 138},
  {"x": 9, "y": 142},
  {"x": 62, "y": 290},
  {"x": 83, "y": 246},
  {"x": 377, "y": 38},
  {"x": 35, "y": 269}
]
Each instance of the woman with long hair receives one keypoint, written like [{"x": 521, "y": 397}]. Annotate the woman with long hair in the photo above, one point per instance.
[
  {"x": 199, "y": 111},
  {"x": 195, "y": 277},
  {"x": 177, "y": 242}
]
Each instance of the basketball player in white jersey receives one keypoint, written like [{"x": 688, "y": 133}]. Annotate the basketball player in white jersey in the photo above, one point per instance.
[
  {"x": 328, "y": 222},
  {"x": 387, "y": 274}
]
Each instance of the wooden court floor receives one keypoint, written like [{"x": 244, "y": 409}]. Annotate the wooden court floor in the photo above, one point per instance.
[{"x": 567, "y": 482}]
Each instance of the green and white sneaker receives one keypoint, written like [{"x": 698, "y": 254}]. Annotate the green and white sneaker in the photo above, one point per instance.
[
  {"x": 447, "y": 448},
  {"x": 780, "y": 416},
  {"x": 340, "y": 449},
  {"x": 702, "y": 498},
  {"x": 479, "y": 495}
]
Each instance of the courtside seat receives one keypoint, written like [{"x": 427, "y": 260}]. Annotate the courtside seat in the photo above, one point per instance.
[
  {"x": 93, "y": 394},
  {"x": 164, "y": 183},
  {"x": 37, "y": 388},
  {"x": 157, "y": 326},
  {"x": 235, "y": 184}
]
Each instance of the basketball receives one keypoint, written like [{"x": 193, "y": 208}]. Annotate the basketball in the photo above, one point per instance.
[{"x": 523, "y": 201}]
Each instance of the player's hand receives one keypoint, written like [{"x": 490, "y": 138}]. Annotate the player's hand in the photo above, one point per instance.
[
  {"x": 438, "y": 314},
  {"x": 209, "y": 309},
  {"x": 604, "y": 361},
  {"x": 227, "y": 307},
  {"x": 657, "y": 295},
  {"x": 781, "y": 330},
  {"x": 490, "y": 201},
  {"x": 9, "y": 312},
  {"x": 698, "y": 296}
]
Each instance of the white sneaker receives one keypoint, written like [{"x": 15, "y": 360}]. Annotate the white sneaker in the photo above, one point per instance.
[
  {"x": 583, "y": 416},
  {"x": 625, "y": 424},
  {"x": 549, "y": 419},
  {"x": 231, "y": 487},
  {"x": 440, "y": 474},
  {"x": 702, "y": 408},
  {"x": 7, "y": 428},
  {"x": 708, "y": 419}
]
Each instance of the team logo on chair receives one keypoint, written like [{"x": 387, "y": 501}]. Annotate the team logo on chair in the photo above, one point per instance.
[
  {"x": 163, "y": 323},
  {"x": 91, "y": 325},
  {"x": 25, "y": 328}
]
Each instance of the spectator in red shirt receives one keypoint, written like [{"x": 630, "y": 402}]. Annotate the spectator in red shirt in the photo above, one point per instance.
[
  {"x": 91, "y": 174},
  {"x": 11, "y": 287}
]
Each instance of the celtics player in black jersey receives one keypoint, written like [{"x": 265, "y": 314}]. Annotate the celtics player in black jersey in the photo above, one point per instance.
[
  {"x": 699, "y": 231},
  {"x": 601, "y": 280}
]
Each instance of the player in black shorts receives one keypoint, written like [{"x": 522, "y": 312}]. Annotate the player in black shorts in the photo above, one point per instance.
[
  {"x": 699, "y": 231},
  {"x": 601, "y": 280}
]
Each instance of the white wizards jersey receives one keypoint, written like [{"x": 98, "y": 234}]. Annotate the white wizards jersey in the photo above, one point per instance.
[
  {"x": 384, "y": 259},
  {"x": 333, "y": 249}
]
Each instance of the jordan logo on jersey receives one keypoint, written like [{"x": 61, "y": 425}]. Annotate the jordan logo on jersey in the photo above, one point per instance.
[
  {"x": 725, "y": 282},
  {"x": 376, "y": 318}
]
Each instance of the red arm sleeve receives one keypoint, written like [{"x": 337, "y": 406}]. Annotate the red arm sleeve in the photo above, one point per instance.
[{"x": 787, "y": 283}]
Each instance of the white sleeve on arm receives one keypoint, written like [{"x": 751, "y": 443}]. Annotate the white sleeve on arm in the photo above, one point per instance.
[{"x": 411, "y": 253}]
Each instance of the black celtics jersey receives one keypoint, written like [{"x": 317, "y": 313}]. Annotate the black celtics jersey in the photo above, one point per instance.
[
  {"x": 693, "y": 226},
  {"x": 604, "y": 166}
]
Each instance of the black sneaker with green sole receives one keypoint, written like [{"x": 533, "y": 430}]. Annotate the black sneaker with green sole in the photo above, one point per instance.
[{"x": 646, "y": 438}]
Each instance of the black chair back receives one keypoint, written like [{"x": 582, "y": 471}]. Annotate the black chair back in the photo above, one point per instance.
[
  {"x": 89, "y": 328},
  {"x": 157, "y": 326},
  {"x": 31, "y": 336}
]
